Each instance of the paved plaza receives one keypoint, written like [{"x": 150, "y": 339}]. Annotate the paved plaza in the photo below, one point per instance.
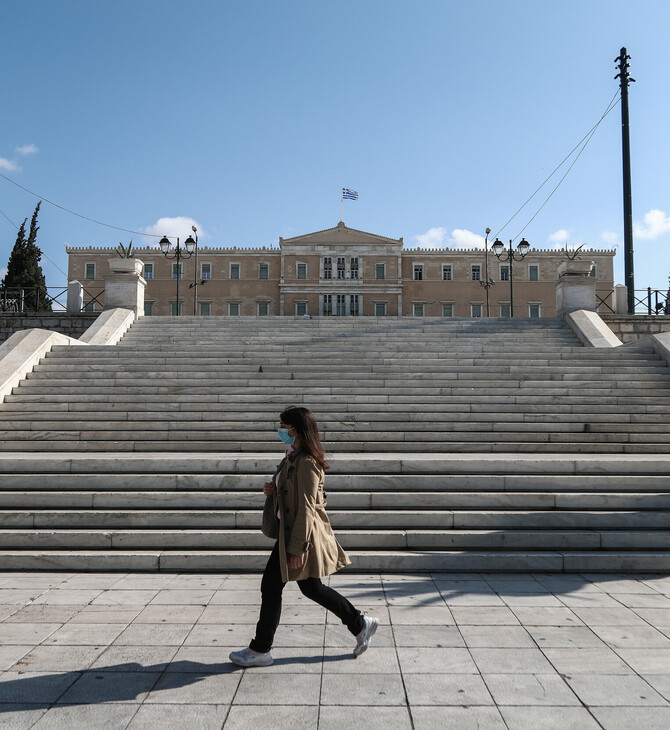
[{"x": 536, "y": 651}]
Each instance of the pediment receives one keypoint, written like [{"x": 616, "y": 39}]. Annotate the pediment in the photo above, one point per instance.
[{"x": 339, "y": 235}]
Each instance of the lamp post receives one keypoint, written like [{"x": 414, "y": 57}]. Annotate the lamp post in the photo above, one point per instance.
[
  {"x": 487, "y": 283},
  {"x": 195, "y": 283},
  {"x": 511, "y": 255},
  {"x": 177, "y": 253}
]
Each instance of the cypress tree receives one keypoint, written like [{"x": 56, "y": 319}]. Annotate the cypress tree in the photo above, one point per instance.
[{"x": 24, "y": 270}]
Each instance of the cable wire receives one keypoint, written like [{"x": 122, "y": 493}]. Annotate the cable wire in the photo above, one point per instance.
[
  {"x": 79, "y": 215},
  {"x": 582, "y": 143}
]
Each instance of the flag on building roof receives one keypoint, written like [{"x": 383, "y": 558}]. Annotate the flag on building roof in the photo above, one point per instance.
[{"x": 349, "y": 194}]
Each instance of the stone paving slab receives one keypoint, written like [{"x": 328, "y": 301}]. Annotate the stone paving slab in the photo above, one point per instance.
[{"x": 515, "y": 651}]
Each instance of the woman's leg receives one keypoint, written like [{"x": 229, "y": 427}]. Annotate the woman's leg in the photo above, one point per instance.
[
  {"x": 331, "y": 600},
  {"x": 271, "y": 590}
]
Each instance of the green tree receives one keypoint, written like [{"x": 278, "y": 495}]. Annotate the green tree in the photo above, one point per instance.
[{"x": 24, "y": 270}]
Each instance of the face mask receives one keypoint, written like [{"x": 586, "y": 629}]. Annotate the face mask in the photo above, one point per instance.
[{"x": 283, "y": 435}]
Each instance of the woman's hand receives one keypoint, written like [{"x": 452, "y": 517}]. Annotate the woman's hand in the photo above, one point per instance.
[
  {"x": 268, "y": 489},
  {"x": 295, "y": 562}
]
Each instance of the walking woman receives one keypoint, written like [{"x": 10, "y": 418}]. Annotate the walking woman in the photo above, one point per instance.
[{"x": 306, "y": 549}]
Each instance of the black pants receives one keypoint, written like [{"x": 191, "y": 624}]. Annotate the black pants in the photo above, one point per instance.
[{"x": 271, "y": 591}]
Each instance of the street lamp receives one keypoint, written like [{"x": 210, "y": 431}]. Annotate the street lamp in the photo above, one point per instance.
[
  {"x": 195, "y": 283},
  {"x": 487, "y": 283},
  {"x": 510, "y": 255},
  {"x": 177, "y": 253}
]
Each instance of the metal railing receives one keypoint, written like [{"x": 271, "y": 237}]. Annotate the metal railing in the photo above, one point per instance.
[
  {"x": 651, "y": 301},
  {"x": 29, "y": 300}
]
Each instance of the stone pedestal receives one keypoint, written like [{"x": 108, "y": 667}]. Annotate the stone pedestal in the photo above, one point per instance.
[
  {"x": 575, "y": 288},
  {"x": 75, "y": 297},
  {"x": 124, "y": 285},
  {"x": 620, "y": 299}
]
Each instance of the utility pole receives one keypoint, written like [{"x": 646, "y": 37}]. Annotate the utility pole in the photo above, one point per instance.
[{"x": 624, "y": 79}]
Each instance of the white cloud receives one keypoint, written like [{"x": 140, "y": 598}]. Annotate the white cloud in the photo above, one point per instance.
[
  {"x": 8, "y": 165},
  {"x": 561, "y": 236},
  {"x": 27, "y": 149},
  {"x": 180, "y": 226},
  {"x": 438, "y": 237},
  {"x": 3, "y": 273},
  {"x": 432, "y": 238},
  {"x": 656, "y": 223}
]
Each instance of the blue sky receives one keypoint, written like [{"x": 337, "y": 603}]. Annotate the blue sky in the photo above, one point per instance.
[{"x": 248, "y": 118}]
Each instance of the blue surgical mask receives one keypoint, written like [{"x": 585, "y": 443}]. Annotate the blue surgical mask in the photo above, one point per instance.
[{"x": 283, "y": 435}]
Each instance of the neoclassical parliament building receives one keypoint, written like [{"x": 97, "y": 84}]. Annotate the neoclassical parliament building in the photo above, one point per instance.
[{"x": 340, "y": 271}]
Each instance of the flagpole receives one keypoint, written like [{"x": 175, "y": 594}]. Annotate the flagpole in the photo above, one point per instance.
[{"x": 341, "y": 202}]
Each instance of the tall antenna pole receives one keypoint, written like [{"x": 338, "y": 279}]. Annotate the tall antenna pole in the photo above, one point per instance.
[{"x": 624, "y": 79}]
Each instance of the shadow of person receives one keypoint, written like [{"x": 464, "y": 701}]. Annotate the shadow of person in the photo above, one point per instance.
[{"x": 114, "y": 683}]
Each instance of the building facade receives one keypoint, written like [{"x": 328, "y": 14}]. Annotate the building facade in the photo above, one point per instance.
[{"x": 341, "y": 271}]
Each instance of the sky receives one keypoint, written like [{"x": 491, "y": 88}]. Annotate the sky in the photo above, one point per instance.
[{"x": 246, "y": 118}]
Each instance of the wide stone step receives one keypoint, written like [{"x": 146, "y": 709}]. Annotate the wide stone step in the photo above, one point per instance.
[
  {"x": 647, "y": 400},
  {"x": 406, "y": 490},
  {"x": 343, "y": 519},
  {"x": 388, "y": 423},
  {"x": 488, "y": 377},
  {"x": 392, "y": 561},
  {"x": 77, "y": 539},
  {"x": 360, "y": 499},
  {"x": 479, "y": 447}
]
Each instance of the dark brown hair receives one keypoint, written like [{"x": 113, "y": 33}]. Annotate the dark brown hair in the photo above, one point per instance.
[{"x": 306, "y": 427}]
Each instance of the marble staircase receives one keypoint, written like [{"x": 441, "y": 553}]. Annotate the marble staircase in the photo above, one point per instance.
[{"x": 469, "y": 445}]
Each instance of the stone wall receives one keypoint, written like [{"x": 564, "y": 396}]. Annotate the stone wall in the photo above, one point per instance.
[
  {"x": 71, "y": 325},
  {"x": 632, "y": 328}
]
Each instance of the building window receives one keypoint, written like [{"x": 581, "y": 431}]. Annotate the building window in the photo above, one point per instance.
[
  {"x": 380, "y": 309},
  {"x": 327, "y": 305},
  {"x": 205, "y": 271},
  {"x": 418, "y": 309},
  {"x": 341, "y": 305},
  {"x": 418, "y": 272},
  {"x": 301, "y": 271},
  {"x": 475, "y": 272},
  {"x": 233, "y": 309},
  {"x": 534, "y": 311},
  {"x": 593, "y": 271},
  {"x": 89, "y": 271},
  {"x": 177, "y": 271},
  {"x": 205, "y": 309},
  {"x": 505, "y": 310},
  {"x": 301, "y": 309},
  {"x": 263, "y": 309},
  {"x": 533, "y": 272},
  {"x": 173, "y": 308},
  {"x": 380, "y": 271},
  {"x": 504, "y": 272},
  {"x": 475, "y": 310},
  {"x": 263, "y": 271},
  {"x": 446, "y": 272},
  {"x": 341, "y": 267},
  {"x": 148, "y": 309},
  {"x": 353, "y": 268},
  {"x": 89, "y": 307},
  {"x": 354, "y": 306},
  {"x": 148, "y": 271},
  {"x": 327, "y": 267},
  {"x": 447, "y": 310},
  {"x": 234, "y": 271}
]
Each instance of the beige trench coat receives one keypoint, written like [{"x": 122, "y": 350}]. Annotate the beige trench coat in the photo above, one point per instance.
[{"x": 304, "y": 527}]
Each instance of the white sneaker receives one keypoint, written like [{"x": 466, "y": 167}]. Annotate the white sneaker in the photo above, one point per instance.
[
  {"x": 364, "y": 638},
  {"x": 251, "y": 658}
]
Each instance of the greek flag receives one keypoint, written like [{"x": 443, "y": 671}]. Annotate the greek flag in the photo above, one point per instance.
[{"x": 349, "y": 194}]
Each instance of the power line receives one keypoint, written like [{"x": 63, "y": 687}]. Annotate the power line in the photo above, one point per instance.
[
  {"x": 79, "y": 215},
  {"x": 582, "y": 143}
]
